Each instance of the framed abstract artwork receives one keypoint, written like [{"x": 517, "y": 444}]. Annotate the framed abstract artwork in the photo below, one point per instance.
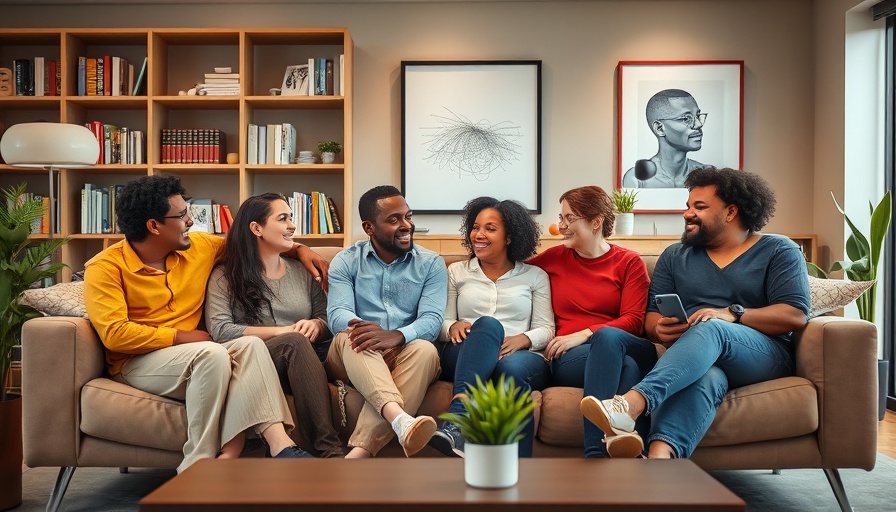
[
  {"x": 674, "y": 117},
  {"x": 470, "y": 129}
]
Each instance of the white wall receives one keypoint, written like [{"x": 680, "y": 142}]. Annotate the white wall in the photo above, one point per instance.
[{"x": 580, "y": 44}]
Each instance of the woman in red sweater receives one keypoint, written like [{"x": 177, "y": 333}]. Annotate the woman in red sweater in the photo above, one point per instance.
[{"x": 597, "y": 289}]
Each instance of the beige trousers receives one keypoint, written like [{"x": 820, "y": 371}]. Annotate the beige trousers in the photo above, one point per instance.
[
  {"x": 401, "y": 374},
  {"x": 226, "y": 388}
]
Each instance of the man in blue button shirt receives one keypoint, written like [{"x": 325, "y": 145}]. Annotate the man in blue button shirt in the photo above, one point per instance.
[{"x": 386, "y": 302}]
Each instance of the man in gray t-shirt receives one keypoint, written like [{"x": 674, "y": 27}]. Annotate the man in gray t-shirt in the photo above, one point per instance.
[{"x": 743, "y": 292}]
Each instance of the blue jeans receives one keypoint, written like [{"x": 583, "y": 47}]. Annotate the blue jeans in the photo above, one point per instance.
[
  {"x": 478, "y": 355},
  {"x": 617, "y": 360},
  {"x": 690, "y": 381}
]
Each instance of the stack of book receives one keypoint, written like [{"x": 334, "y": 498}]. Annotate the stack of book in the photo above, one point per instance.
[
  {"x": 272, "y": 144},
  {"x": 38, "y": 77},
  {"x": 193, "y": 146},
  {"x": 105, "y": 76},
  {"x": 314, "y": 213},
  {"x": 210, "y": 217},
  {"x": 118, "y": 145},
  {"x": 98, "y": 209},
  {"x": 42, "y": 224},
  {"x": 223, "y": 82}
]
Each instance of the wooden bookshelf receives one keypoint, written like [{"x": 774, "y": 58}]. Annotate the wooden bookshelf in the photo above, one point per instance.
[{"x": 176, "y": 60}]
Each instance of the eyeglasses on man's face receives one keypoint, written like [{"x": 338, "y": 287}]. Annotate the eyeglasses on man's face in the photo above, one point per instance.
[
  {"x": 179, "y": 216},
  {"x": 568, "y": 218},
  {"x": 689, "y": 120}
]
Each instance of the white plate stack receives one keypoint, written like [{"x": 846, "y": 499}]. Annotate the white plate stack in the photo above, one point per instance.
[{"x": 305, "y": 157}]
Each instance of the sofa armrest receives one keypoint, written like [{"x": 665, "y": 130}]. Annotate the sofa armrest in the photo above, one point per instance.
[
  {"x": 59, "y": 356},
  {"x": 839, "y": 356}
]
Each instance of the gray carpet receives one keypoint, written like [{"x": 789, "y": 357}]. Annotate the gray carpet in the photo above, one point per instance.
[{"x": 103, "y": 489}]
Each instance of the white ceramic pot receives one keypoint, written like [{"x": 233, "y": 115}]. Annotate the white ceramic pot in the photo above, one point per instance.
[
  {"x": 491, "y": 466},
  {"x": 328, "y": 158},
  {"x": 625, "y": 224}
]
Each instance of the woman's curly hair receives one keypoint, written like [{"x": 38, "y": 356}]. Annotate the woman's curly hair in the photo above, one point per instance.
[
  {"x": 521, "y": 229},
  {"x": 754, "y": 198}
]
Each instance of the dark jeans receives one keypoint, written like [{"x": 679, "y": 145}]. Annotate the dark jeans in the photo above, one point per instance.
[
  {"x": 617, "y": 360},
  {"x": 302, "y": 374},
  {"x": 478, "y": 355}
]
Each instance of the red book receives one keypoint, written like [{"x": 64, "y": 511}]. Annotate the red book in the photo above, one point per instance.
[
  {"x": 97, "y": 128},
  {"x": 51, "y": 78},
  {"x": 107, "y": 76}
]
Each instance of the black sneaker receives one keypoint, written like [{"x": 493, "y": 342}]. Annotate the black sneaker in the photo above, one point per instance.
[
  {"x": 292, "y": 452},
  {"x": 448, "y": 440}
]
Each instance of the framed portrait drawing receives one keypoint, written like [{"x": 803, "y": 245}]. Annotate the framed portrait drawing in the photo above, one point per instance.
[
  {"x": 295, "y": 81},
  {"x": 470, "y": 129},
  {"x": 674, "y": 117}
]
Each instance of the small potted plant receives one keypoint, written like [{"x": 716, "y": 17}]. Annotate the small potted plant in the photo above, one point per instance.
[
  {"x": 624, "y": 202},
  {"x": 328, "y": 150},
  {"x": 496, "y": 414}
]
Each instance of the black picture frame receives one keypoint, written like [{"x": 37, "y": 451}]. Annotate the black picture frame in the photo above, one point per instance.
[{"x": 470, "y": 129}]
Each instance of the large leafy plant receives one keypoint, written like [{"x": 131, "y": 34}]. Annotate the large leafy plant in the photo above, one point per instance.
[
  {"x": 863, "y": 252},
  {"x": 496, "y": 412},
  {"x": 22, "y": 263}
]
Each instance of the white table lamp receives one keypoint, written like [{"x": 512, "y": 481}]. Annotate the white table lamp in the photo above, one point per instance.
[{"x": 49, "y": 146}]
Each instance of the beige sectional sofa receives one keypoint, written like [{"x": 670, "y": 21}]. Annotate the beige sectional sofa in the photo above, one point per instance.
[{"x": 824, "y": 417}]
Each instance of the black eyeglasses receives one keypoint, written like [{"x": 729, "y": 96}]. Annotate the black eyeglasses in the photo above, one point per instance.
[
  {"x": 179, "y": 216},
  {"x": 690, "y": 120}
]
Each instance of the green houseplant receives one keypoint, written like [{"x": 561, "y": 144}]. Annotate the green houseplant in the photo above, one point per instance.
[
  {"x": 624, "y": 202},
  {"x": 329, "y": 146},
  {"x": 21, "y": 266},
  {"x": 496, "y": 414},
  {"x": 328, "y": 150},
  {"x": 864, "y": 257}
]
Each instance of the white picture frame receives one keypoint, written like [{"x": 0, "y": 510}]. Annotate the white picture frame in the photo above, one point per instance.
[
  {"x": 295, "y": 81},
  {"x": 469, "y": 129},
  {"x": 717, "y": 89}
]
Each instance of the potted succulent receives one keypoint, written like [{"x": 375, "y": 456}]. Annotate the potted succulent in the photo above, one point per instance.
[
  {"x": 328, "y": 150},
  {"x": 21, "y": 266},
  {"x": 624, "y": 202},
  {"x": 496, "y": 414},
  {"x": 864, "y": 256}
]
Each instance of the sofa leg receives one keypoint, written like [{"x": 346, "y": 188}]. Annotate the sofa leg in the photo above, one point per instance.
[
  {"x": 62, "y": 480},
  {"x": 123, "y": 470},
  {"x": 839, "y": 491},
  {"x": 776, "y": 471}
]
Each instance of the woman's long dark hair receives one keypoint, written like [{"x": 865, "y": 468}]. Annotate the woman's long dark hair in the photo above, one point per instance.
[{"x": 243, "y": 270}]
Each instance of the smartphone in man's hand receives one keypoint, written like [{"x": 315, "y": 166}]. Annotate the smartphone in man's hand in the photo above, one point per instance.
[{"x": 669, "y": 304}]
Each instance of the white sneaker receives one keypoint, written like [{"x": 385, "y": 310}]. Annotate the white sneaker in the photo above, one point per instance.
[
  {"x": 624, "y": 446},
  {"x": 611, "y": 415},
  {"x": 414, "y": 433}
]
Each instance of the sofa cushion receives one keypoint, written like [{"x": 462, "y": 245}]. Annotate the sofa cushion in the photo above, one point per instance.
[
  {"x": 775, "y": 409},
  {"x": 117, "y": 412}
]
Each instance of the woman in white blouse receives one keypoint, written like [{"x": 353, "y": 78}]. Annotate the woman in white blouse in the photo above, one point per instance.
[{"x": 498, "y": 318}]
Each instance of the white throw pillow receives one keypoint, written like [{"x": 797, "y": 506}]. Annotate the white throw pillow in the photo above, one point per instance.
[
  {"x": 830, "y": 294},
  {"x": 63, "y": 299}
]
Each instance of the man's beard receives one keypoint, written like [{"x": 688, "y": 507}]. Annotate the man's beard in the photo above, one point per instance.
[
  {"x": 390, "y": 245},
  {"x": 699, "y": 238}
]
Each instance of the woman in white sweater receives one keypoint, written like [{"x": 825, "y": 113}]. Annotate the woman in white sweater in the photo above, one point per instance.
[
  {"x": 498, "y": 318},
  {"x": 255, "y": 291}
]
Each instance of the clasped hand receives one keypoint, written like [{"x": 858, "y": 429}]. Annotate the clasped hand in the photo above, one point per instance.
[
  {"x": 311, "y": 329},
  {"x": 365, "y": 335}
]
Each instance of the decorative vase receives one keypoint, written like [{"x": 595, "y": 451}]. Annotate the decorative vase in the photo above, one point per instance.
[
  {"x": 625, "y": 224},
  {"x": 491, "y": 466},
  {"x": 328, "y": 158},
  {"x": 10, "y": 453}
]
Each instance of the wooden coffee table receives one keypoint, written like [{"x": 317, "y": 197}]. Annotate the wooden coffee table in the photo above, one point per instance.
[{"x": 437, "y": 484}]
